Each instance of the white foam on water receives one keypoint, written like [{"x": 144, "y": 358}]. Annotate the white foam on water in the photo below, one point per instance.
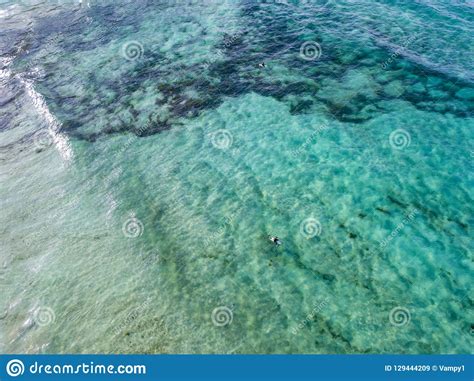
[{"x": 61, "y": 141}]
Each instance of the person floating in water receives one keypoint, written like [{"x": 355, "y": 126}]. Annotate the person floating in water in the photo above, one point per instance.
[
  {"x": 262, "y": 65},
  {"x": 275, "y": 240}
]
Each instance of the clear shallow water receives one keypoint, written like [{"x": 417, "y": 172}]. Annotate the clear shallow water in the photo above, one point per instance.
[{"x": 360, "y": 161}]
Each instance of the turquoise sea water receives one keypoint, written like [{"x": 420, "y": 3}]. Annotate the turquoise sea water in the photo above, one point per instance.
[{"x": 145, "y": 158}]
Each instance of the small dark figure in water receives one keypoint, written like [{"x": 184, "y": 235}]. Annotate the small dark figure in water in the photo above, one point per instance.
[
  {"x": 275, "y": 240},
  {"x": 262, "y": 65}
]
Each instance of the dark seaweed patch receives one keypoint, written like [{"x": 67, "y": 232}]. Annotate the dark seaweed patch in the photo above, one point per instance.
[
  {"x": 268, "y": 37},
  {"x": 396, "y": 202},
  {"x": 385, "y": 211}
]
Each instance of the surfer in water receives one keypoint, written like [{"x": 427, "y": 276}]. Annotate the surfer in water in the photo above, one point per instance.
[{"x": 275, "y": 240}]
